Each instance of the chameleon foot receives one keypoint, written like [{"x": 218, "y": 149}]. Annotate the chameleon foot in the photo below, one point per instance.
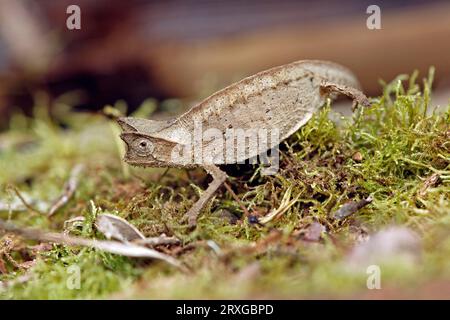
[{"x": 219, "y": 177}]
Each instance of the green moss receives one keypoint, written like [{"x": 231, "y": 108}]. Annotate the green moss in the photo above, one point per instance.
[
  {"x": 100, "y": 274},
  {"x": 401, "y": 142}
]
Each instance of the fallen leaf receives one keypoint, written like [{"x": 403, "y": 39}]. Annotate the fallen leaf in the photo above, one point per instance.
[
  {"x": 114, "y": 227},
  {"x": 350, "y": 208}
]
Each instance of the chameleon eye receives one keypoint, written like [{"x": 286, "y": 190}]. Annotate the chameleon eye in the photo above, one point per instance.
[{"x": 143, "y": 147}]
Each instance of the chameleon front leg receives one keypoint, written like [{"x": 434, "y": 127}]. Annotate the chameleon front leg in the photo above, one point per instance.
[
  {"x": 219, "y": 177},
  {"x": 356, "y": 95}
]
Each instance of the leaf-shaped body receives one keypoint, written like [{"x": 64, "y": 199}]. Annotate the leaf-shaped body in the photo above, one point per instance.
[
  {"x": 280, "y": 99},
  {"x": 283, "y": 97}
]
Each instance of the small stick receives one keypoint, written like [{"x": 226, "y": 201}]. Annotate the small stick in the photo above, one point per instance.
[
  {"x": 236, "y": 198},
  {"x": 125, "y": 249},
  {"x": 158, "y": 241},
  {"x": 69, "y": 190},
  {"x": 24, "y": 202}
]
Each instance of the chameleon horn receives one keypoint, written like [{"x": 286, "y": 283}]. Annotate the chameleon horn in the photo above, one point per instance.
[{"x": 125, "y": 124}]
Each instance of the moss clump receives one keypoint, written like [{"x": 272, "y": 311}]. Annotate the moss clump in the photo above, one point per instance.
[{"x": 397, "y": 152}]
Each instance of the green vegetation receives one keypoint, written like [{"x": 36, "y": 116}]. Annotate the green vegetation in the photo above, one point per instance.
[{"x": 397, "y": 152}]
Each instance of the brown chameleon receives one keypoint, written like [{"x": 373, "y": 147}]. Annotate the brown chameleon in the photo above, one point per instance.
[{"x": 277, "y": 102}]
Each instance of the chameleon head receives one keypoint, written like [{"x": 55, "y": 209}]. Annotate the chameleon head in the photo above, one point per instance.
[
  {"x": 145, "y": 149},
  {"x": 140, "y": 149}
]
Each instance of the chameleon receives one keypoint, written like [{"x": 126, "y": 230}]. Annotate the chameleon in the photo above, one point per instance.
[{"x": 281, "y": 99}]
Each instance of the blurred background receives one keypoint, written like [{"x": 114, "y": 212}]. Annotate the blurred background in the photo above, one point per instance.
[{"x": 136, "y": 49}]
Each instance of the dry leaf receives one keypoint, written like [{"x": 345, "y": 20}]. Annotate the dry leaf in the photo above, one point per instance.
[
  {"x": 114, "y": 227},
  {"x": 350, "y": 208}
]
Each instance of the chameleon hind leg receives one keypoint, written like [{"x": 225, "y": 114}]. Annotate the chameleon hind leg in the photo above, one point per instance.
[
  {"x": 219, "y": 177},
  {"x": 356, "y": 95}
]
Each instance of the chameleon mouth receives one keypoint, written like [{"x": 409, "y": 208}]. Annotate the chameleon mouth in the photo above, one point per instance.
[
  {"x": 133, "y": 162},
  {"x": 140, "y": 163}
]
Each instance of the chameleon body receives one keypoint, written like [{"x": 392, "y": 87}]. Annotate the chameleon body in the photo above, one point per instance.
[{"x": 283, "y": 98}]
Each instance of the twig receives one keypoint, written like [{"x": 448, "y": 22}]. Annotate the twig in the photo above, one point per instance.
[
  {"x": 236, "y": 198},
  {"x": 69, "y": 190},
  {"x": 22, "y": 199},
  {"x": 158, "y": 241},
  {"x": 125, "y": 249}
]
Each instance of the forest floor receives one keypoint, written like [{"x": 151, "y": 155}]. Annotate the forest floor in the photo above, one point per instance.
[{"x": 395, "y": 155}]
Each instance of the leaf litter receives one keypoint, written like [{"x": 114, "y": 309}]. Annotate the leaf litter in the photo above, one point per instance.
[
  {"x": 120, "y": 248},
  {"x": 384, "y": 152}
]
